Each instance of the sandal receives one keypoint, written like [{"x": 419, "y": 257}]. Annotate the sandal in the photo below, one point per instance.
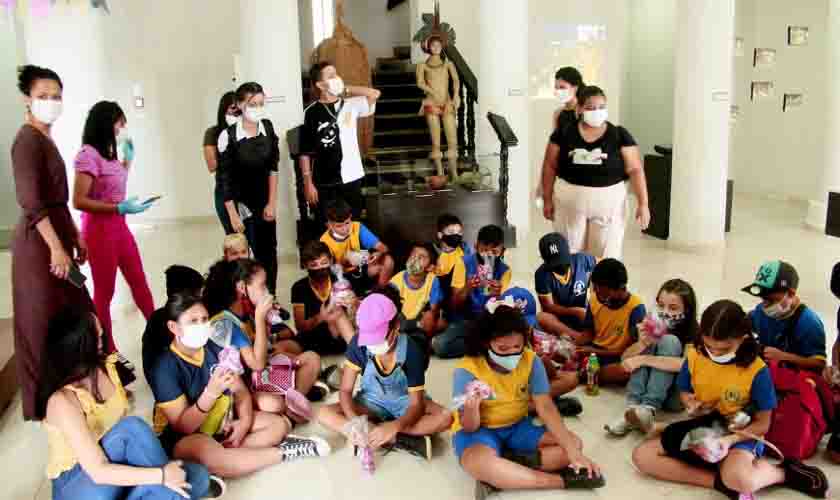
[
  {"x": 805, "y": 479},
  {"x": 580, "y": 480}
]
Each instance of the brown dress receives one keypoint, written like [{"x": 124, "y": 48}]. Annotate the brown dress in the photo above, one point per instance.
[{"x": 42, "y": 191}]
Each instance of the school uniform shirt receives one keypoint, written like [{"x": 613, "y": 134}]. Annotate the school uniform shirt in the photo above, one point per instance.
[
  {"x": 414, "y": 366},
  {"x": 615, "y": 329},
  {"x": 592, "y": 164},
  {"x": 361, "y": 238},
  {"x": 231, "y": 330},
  {"x": 330, "y": 135},
  {"x": 570, "y": 290},
  {"x": 449, "y": 265},
  {"x": 513, "y": 390},
  {"x": 179, "y": 377},
  {"x": 417, "y": 300},
  {"x": 807, "y": 338},
  {"x": 478, "y": 299},
  {"x": 733, "y": 387},
  {"x": 304, "y": 295}
]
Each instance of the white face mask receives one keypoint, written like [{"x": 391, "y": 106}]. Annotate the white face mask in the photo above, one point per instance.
[
  {"x": 508, "y": 362},
  {"x": 780, "y": 309},
  {"x": 596, "y": 117},
  {"x": 381, "y": 348},
  {"x": 195, "y": 336},
  {"x": 722, "y": 359},
  {"x": 123, "y": 136},
  {"x": 231, "y": 119},
  {"x": 563, "y": 95},
  {"x": 671, "y": 320},
  {"x": 255, "y": 114},
  {"x": 46, "y": 110},
  {"x": 335, "y": 86}
]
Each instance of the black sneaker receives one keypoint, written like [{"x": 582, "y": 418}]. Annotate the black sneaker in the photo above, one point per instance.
[
  {"x": 295, "y": 447},
  {"x": 580, "y": 480},
  {"x": 332, "y": 376},
  {"x": 419, "y": 446},
  {"x": 217, "y": 488},
  {"x": 483, "y": 490},
  {"x": 805, "y": 479},
  {"x": 568, "y": 406},
  {"x": 318, "y": 392}
]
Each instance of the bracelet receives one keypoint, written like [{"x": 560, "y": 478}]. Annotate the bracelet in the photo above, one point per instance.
[{"x": 162, "y": 475}]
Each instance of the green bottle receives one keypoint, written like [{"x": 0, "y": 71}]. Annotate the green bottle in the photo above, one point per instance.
[{"x": 593, "y": 366}]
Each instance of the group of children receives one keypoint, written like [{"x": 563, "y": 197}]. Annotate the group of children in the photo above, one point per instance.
[{"x": 234, "y": 414}]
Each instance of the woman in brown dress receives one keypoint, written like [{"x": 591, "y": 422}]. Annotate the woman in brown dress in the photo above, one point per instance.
[{"x": 45, "y": 237}]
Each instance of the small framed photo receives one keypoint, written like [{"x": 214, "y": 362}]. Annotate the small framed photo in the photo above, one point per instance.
[
  {"x": 764, "y": 58},
  {"x": 793, "y": 101},
  {"x": 739, "y": 47},
  {"x": 797, "y": 36},
  {"x": 761, "y": 90}
]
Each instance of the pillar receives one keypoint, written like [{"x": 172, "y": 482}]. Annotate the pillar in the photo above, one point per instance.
[
  {"x": 503, "y": 89},
  {"x": 705, "y": 31},
  {"x": 830, "y": 179},
  {"x": 270, "y": 55}
]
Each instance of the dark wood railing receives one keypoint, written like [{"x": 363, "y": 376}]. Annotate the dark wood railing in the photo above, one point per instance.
[{"x": 469, "y": 96}]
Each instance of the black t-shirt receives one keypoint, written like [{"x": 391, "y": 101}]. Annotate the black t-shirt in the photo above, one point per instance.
[
  {"x": 321, "y": 138},
  {"x": 566, "y": 118},
  {"x": 595, "y": 164},
  {"x": 246, "y": 163},
  {"x": 304, "y": 295},
  {"x": 211, "y": 136}
]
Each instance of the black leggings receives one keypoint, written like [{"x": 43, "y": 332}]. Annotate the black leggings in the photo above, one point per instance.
[{"x": 262, "y": 237}]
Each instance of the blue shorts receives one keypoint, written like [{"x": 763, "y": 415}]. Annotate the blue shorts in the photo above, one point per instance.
[
  {"x": 521, "y": 436},
  {"x": 752, "y": 446},
  {"x": 383, "y": 410}
]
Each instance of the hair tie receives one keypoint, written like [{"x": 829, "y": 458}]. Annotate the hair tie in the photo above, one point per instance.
[{"x": 494, "y": 304}]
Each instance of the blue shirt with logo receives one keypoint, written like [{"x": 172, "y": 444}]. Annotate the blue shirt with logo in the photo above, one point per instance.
[
  {"x": 571, "y": 292},
  {"x": 807, "y": 338}
]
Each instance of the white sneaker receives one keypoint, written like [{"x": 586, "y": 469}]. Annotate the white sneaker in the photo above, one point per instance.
[
  {"x": 619, "y": 428},
  {"x": 641, "y": 417},
  {"x": 295, "y": 447}
]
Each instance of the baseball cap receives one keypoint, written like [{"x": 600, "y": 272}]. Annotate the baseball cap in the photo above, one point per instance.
[
  {"x": 374, "y": 317},
  {"x": 554, "y": 250},
  {"x": 525, "y": 301},
  {"x": 773, "y": 276}
]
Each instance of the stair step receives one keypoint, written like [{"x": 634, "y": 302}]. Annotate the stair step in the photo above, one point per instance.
[
  {"x": 400, "y": 116},
  {"x": 407, "y": 131},
  {"x": 397, "y": 150},
  {"x": 387, "y": 76},
  {"x": 402, "y": 52}
]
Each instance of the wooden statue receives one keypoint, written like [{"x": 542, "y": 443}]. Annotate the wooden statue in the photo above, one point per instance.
[{"x": 350, "y": 58}]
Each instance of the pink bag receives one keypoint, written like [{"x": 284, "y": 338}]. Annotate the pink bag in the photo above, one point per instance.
[{"x": 279, "y": 378}]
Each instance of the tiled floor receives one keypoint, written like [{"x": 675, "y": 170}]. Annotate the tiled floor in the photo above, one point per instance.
[{"x": 762, "y": 230}]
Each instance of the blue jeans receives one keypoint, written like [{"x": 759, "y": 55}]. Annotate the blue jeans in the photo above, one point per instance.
[
  {"x": 221, "y": 210},
  {"x": 649, "y": 386},
  {"x": 130, "y": 442},
  {"x": 452, "y": 342}
]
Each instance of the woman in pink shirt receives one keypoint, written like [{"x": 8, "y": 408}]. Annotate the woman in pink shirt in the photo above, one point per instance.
[{"x": 102, "y": 168}]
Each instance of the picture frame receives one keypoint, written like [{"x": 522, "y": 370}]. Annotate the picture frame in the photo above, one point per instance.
[
  {"x": 761, "y": 90},
  {"x": 793, "y": 100},
  {"x": 739, "y": 47},
  {"x": 764, "y": 58},
  {"x": 797, "y": 36}
]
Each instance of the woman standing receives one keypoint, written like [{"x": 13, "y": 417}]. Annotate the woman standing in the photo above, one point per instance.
[
  {"x": 247, "y": 171},
  {"x": 227, "y": 115},
  {"x": 45, "y": 236},
  {"x": 593, "y": 158},
  {"x": 99, "y": 192},
  {"x": 567, "y": 81}
]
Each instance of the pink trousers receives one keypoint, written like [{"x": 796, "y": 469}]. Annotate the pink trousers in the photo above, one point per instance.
[{"x": 111, "y": 246}]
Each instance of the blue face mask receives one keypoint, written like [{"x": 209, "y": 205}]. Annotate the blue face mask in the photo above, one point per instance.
[{"x": 509, "y": 361}]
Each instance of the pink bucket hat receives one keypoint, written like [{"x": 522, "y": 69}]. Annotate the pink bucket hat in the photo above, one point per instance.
[{"x": 373, "y": 317}]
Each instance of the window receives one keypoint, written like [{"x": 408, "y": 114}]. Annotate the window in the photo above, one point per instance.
[{"x": 323, "y": 20}]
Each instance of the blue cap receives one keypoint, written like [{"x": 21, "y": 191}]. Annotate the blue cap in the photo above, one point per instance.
[{"x": 525, "y": 301}]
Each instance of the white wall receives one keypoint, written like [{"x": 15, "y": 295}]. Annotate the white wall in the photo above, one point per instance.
[
  {"x": 774, "y": 153},
  {"x": 10, "y": 120},
  {"x": 379, "y": 29}
]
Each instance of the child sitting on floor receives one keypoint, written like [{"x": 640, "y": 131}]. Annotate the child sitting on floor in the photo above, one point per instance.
[
  {"x": 236, "y": 247},
  {"x": 494, "y": 438},
  {"x": 723, "y": 374},
  {"x": 392, "y": 392},
  {"x": 421, "y": 295}
]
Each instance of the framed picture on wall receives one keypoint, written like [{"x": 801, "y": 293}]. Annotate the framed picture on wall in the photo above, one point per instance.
[
  {"x": 764, "y": 58},
  {"x": 797, "y": 36},
  {"x": 739, "y": 47},
  {"x": 761, "y": 90},
  {"x": 792, "y": 101}
]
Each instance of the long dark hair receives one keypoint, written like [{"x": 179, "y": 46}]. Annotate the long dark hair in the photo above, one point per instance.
[
  {"x": 503, "y": 322},
  {"x": 228, "y": 99},
  {"x": 180, "y": 303},
  {"x": 586, "y": 93},
  {"x": 71, "y": 353},
  {"x": 29, "y": 74},
  {"x": 220, "y": 285},
  {"x": 726, "y": 320},
  {"x": 687, "y": 330},
  {"x": 571, "y": 76},
  {"x": 99, "y": 128}
]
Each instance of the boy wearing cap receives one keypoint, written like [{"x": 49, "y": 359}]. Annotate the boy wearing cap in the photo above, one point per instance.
[
  {"x": 562, "y": 284},
  {"x": 392, "y": 390},
  {"x": 787, "y": 329}
]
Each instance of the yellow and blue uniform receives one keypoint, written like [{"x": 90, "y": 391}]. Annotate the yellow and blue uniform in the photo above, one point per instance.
[
  {"x": 417, "y": 300},
  {"x": 360, "y": 238},
  {"x": 807, "y": 337},
  {"x": 570, "y": 290},
  {"x": 505, "y": 423},
  {"x": 615, "y": 329},
  {"x": 478, "y": 299}
]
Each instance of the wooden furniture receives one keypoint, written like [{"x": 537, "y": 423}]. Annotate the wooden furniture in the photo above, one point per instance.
[{"x": 832, "y": 219}]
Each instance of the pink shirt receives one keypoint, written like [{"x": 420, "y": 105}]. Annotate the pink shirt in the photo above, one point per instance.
[{"x": 109, "y": 176}]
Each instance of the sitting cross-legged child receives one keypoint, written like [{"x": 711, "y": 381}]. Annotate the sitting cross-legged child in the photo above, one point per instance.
[
  {"x": 363, "y": 256},
  {"x": 495, "y": 439},
  {"x": 656, "y": 359},
  {"x": 236, "y": 247},
  {"x": 204, "y": 412},
  {"x": 612, "y": 317},
  {"x": 450, "y": 263},
  {"x": 721, "y": 377},
  {"x": 241, "y": 312},
  {"x": 421, "y": 295},
  {"x": 392, "y": 392}
]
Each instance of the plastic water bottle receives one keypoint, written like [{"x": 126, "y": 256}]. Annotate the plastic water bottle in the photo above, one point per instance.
[
  {"x": 368, "y": 465},
  {"x": 593, "y": 366}
]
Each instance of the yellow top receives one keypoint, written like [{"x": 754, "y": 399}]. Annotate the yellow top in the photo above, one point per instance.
[
  {"x": 339, "y": 249},
  {"x": 414, "y": 301},
  {"x": 612, "y": 326},
  {"x": 100, "y": 418},
  {"x": 511, "y": 389},
  {"x": 452, "y": 263},
  {"x": 729, "y": 385}
]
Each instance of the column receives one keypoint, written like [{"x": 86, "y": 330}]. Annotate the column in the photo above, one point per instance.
[
  {"x": 703, "y": 79},
  {"x": 503, "y": 89},
  {"x": 270, "y": 55},
  {"x": 830, "y": 180}
]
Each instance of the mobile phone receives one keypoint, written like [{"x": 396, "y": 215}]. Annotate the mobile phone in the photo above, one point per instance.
[
  {"x": 76, "y": 277},
  {"x": 151, "y": 200}
]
